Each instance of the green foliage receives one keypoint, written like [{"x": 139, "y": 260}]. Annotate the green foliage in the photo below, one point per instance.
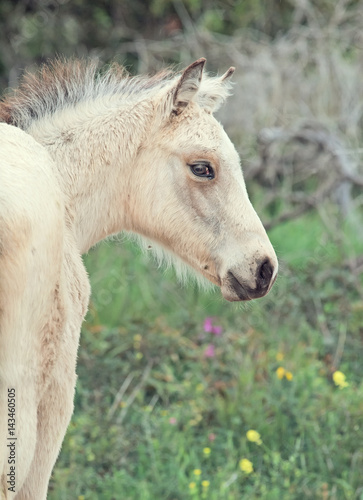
[
  {"x": 145, "y": 439},
  {"x": 32, "y": 31}
]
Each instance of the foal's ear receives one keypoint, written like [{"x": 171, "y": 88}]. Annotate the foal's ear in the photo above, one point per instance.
[
  {"x": 227, "y": 75},
  {"x": 188, "y": 85},
  {"x": 215, "y": 91}
]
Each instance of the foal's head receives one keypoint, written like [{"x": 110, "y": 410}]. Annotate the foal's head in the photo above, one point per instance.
[{"x": 191, "y": 197}]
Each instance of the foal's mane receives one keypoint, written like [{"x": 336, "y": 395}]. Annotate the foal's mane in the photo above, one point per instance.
[{"x": 63, "y": 83}]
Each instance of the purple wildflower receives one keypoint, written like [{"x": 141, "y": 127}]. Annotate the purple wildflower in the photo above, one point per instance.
[
  {"x": 210, "y": 328},
  {"x": 208, "y": 325}
]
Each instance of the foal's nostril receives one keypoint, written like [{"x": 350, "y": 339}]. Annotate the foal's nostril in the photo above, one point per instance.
[{"x": 264, "y": 274}]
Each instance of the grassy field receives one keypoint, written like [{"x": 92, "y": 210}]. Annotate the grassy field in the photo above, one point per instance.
[{"x": 166, "y": 395}]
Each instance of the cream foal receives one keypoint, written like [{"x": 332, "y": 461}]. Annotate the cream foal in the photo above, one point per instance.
[{"x": 85, "y": 155}]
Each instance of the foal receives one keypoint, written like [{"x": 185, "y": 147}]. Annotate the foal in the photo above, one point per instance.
[{"x": 85, "y": 155}]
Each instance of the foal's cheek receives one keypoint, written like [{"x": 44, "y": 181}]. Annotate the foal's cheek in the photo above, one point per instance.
[{"x": 192, "y": 199}]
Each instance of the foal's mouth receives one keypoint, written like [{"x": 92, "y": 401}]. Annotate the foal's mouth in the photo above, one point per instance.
[{"x": 235, "y": 289}]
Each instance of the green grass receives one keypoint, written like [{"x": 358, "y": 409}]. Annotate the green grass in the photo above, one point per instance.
[{"x": 144, "y": 327}]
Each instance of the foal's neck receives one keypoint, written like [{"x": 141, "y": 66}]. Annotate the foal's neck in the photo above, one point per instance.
[{"x": 95, "y": 150}]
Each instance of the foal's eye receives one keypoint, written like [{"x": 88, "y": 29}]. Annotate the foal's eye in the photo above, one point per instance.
[{"x": 202, "y": 170}]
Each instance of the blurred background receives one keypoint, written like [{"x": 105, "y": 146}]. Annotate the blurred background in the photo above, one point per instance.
[{"x": 173, "y": 380}]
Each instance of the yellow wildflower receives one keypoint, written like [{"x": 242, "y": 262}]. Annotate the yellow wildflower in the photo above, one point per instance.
[
  {"x": 80, "y": 497},
  {"x": 253, "y": 436},
  {"x": 206, "y": 451},
  {"x": 139, "y": 355},
  {"x": 197, "y": 472},
  {"x": 339, "y": 379},
  {"x": 192, "y": 485},
  {"x": 205, "y": 484},
  {"x": 246, "y": 466},
  {"x": 123, "y": 404},
  {"x": 281, "y": 373}
]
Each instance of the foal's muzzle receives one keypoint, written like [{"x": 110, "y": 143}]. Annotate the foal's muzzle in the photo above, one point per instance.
[{"x": 235, "y": 288}]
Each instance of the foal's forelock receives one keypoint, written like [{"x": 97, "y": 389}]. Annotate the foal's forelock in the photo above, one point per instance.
[{"x": 66, "y": 83}]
